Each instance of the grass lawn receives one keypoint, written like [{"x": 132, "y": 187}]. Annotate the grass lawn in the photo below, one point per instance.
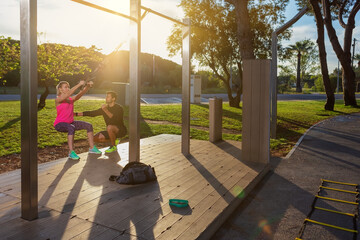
[{"x": 294, "y": 118}]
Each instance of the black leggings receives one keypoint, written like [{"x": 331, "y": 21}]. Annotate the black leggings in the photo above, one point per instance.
[{"x": 71, "y": 127}]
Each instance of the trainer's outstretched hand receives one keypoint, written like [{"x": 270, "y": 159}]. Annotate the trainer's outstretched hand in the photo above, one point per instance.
[
  {"x": 82, "y": 82},
  {"x": 90, "y": 83}
]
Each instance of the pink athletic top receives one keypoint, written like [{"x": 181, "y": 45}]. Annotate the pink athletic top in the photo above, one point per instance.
[{"x": 65, "y": 111}]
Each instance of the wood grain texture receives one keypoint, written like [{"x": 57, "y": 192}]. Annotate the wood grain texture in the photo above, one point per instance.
[{"x": 77, "y": 201}]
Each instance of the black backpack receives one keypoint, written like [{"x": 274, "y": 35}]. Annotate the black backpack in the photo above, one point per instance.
[{"x": 135, "y": 173}]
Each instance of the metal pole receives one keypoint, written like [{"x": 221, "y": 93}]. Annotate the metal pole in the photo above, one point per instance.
[
  {"x": 104, "y": 9},
  {"x": 186, "y": 55},
  {"x": 154, "y": 70},
  {"x": 28, "y": 61},
  {"x": 134, "y": 100},
  {"x": 163, "y": 16},
  {"x": 273, "y": 83},
  {"x": 273, "y": 87}
]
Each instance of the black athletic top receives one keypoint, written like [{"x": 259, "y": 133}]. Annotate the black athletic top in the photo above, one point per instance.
[{"x": 116, "y": 110}]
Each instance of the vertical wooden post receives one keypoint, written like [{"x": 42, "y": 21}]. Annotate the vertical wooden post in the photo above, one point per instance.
[
  {"x": 134, "y": 100},
  {"x": 185, "y": 109},
  {"x": 256, "y": 111},
  {"x": 215, "y": 119},
  {"x": 28, "y": 57}
]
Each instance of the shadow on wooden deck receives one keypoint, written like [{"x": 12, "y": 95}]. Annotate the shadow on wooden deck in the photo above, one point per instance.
[{"x": 77, "y": 201}]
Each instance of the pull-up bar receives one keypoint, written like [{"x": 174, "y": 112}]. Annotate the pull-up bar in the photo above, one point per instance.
[
  {"x": 126, "y": 16},
  {"x": 104, "y": 9},
  {"x": 164, "y": 16}
]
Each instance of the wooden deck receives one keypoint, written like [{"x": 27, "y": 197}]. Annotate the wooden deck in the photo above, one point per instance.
[{"x": 77, "y": 201}]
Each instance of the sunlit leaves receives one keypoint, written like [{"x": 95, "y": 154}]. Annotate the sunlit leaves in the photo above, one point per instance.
[{"x": 9, "y": 55}]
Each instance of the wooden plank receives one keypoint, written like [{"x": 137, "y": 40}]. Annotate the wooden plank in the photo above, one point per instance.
[
  {"x": 9, "y": 213},
  {"x": 255, "y": 110},
  {"x": 74, "y": 231},
  {"x": 94, "y": 232},
  {"x": 203, "y": 200},
  {"x": 195, "y": 194},
  {"x": 20, "y": 227},
  {"x": 127, "y": 194},
  {"x": 53, "y": 227},
  {"x": 228, "y": 211},
  {"x": 106, "y": 184},
  {"x": 264, "y": 137},
  {"x": 91, "y": 199},
  {"x": 105, "y": 235},
  {"x": 199, "y": 225},
  {"x": 191, "y": 184},
  {"x": 246, "y": 116},
  {"x": 8, "y": 201}
]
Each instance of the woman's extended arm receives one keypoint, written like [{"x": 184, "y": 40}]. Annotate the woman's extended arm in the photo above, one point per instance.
[
  {"x": 82, "y": 92},
  {"x": 62, "y": 97}
]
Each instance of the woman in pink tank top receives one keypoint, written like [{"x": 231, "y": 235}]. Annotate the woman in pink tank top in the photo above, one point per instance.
[{"x": 64, "y": 121}]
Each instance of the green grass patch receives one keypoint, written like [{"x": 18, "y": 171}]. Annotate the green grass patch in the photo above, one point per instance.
[{"x": 294, "y": 118}]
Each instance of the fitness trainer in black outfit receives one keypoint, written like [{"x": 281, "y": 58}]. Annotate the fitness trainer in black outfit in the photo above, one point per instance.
[{"x": 113, "y": 114}]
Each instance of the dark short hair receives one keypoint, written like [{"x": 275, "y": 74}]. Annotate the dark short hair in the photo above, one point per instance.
[{"x": 112, "y": 93}]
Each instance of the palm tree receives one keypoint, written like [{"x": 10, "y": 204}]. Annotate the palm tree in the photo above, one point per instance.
[{"x": 300, "y": 48}]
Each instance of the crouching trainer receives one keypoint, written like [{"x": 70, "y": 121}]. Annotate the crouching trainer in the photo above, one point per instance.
[{"x": 113, "y": 114}]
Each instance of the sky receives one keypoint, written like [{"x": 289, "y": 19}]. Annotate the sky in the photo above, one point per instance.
[{"x": 67, "y": 22}]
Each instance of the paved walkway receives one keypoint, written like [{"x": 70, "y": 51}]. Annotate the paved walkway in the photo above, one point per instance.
[{"x": 277, "y": 207}]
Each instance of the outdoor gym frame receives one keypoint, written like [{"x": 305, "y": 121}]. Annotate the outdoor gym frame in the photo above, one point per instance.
[
  {"x": 28, "y": 43},
  {"x": 273, "y": 87}
]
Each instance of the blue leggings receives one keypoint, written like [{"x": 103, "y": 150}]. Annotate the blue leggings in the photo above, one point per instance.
[{"x": 71, "y": 127}]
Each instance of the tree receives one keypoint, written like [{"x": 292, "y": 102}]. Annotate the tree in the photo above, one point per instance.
[
  {"x": 347, "y": 9},
  {"x": 330, "y": 98},
  {"x": 319, "y": 19},
  {"x": 214, "y": 36},
  {"x": 267, "y": 14},
  {"x": 213, "y": 39},
  {"x": 9, "y": 57},
  {"x": 305, "y": 62},
  {"x": 56, "y": 60},
  {"x": 325, "y": 12}
]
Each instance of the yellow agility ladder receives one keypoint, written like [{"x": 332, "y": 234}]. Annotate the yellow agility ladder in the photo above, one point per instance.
[{"x": 314, "y": 207}]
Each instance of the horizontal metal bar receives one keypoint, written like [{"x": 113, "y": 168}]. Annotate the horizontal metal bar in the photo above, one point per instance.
[
  {"x": 333, "y": 211},
  {"x": 343, "y": 183},
  {"x": 164, "y": 16},
  {"x": 336, "y": 200},
  {"x": 339, "y": 190},
  {"x": 332, "y": 226},
  {"x": 292, "y": 21},
  {"x": 104, "y": 9}
]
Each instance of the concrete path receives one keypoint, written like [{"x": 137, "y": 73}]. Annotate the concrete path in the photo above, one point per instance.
[{"x": 277, "y": 207}]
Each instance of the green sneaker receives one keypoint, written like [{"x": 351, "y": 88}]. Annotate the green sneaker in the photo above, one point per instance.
[
  {"x": 117, "y": 141},
  {"x": 73, "y": 156},
  {"x": 111, "y": 149},
  {"x": 95, "y": 150}
]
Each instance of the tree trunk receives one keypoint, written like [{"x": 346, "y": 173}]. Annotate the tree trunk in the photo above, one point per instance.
[
  {"x": 233, "y": 101},
  {"x": 330, "y": 97},
  {"x": 344, "y": 56},
  {"x": 244, "y": 33},
  {"x": 298, "y": 79},
  {"x": 43, "y": 97},
  {"x": 349, "y": 87}
]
